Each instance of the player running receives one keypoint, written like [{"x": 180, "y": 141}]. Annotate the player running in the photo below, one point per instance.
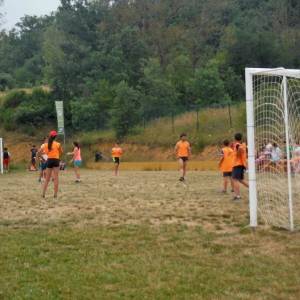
[
  {"x": 116, "y": 153},
  {"x": 6, "y": 159},
  {"x": 239, "y": 165},
  {"x": 77, "y": 160},
  {"x": 226, "y": 165},
  {"x": 53, "y": 150},
  {"x": 183, "y": 152}
]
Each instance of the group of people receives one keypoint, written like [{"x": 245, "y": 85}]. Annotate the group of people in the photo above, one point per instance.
[
  {"x": 271, "y": 157},
  {"x": 232, "y": 164},
  {"x": 51, "y": 152}
]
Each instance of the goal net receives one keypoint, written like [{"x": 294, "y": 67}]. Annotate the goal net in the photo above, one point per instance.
[{"x": 273, "y": 121}]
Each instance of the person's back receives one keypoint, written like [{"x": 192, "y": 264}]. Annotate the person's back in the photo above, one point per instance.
[
  {"x": 240, "y": 155},
  {"x": 6, "y": 154},
  {"x": 227, "y": 162},
  {"x": 54, "y": 152}
]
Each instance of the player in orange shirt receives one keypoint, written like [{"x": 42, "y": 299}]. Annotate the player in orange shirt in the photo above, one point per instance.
[
  {"x": 183, "y": 152},
  {"x": 239, "y": 165},
  {"x": 53, "y": 151},
  {"x": 226, "y": 165},
  {"x": 116, "y": 153}
]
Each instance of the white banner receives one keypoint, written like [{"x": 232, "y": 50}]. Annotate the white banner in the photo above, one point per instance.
[{"x": 60, "y": 117}]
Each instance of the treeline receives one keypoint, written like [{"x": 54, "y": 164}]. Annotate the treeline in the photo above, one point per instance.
[{"x": 122, "y": 63}]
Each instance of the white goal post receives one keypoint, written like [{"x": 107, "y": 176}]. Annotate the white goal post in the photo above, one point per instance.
[
  {"x": 273, "y": 133},
  {"x": 1, "y": 156}
]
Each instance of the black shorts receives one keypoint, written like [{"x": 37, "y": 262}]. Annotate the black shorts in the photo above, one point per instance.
[
  {"x": 116, "y": 160},
  {"x": 52, "y": 163},
  {"x": 227, "y": 174},
  {"x": 238, "y": 172},
  {"x": 184, "y": 158}
]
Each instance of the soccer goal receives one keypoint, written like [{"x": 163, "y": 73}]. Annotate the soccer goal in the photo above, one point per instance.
[
  {"x": 273, "y": 127},
  {"x": 1, "y": 156}
]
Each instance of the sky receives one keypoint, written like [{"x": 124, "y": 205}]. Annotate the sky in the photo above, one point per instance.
[{"x": 16, "y": 9}]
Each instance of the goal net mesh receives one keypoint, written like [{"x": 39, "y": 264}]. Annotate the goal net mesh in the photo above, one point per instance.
[{"x": 275, "y": 153}]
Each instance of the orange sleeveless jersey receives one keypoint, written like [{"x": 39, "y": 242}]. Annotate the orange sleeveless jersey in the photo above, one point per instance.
[
  {"x": 183, "y": 148},
  {"x": 54, "y": 153},
  {"x": 240, "y": 160},
  {"x": 227, "y": 163},
  {"x": 116, "y": 152}
]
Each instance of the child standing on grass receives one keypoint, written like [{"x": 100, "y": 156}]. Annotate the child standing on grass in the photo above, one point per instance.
[
  {"x": 116, "y": 153},
  {"x": 226, "y": 165},
  {"x": 77, "y": 160},
  {"x": 6, "y": 159},
  {"x": 183, "y": 152},
  {"x": 239, "y": 165}
]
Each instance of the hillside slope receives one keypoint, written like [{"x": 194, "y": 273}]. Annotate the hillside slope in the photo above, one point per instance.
[{"x": 155, "y": 142}]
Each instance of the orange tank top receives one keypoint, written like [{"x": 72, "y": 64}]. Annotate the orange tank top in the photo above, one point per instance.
[
  {"x": 241, "y": 158},
  {"x": 227, "y": 163},
  {"x": 116, "y": 152},
  {"x": 183, "y": 148},
  {"x": 54, "y": 153}
]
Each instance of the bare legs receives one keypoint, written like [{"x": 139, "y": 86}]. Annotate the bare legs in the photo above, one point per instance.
[
  {"x": 49, "y": 173},
  {"x": 116, "y": 169},
  {"x": 77, "y": 174},
  {"x": 183, "y": 165},
  {"x": 236, "y": 184},
  {"x": 225, "y": 183}
]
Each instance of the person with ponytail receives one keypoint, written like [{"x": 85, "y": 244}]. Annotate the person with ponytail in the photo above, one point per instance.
[
  {"x": 53, "y": 150},
  {"x": 77, "y": 160}
]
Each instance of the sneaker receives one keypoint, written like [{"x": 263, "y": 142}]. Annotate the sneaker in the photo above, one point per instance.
[
  {"x": 237, "y": 198},
  {"x": 181, "y": 179},
  {"x": 77, "y": 181}
]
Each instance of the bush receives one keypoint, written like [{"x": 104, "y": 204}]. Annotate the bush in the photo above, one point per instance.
[
  {"x": 6, "y": 81},
  {"x": 14, "y": 99}
]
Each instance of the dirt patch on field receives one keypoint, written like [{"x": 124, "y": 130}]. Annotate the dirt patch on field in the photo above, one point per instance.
[{"x": 151, "y": 198}]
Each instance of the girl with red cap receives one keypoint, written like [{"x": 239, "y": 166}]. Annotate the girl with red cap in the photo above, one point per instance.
[{"x": 53, "y": 150}]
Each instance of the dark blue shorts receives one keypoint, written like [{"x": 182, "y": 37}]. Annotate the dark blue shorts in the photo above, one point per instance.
[{"x": 238, "y": 172}]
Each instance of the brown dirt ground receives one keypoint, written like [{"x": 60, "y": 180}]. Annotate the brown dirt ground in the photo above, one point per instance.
[{"x": 151, "y": 198}]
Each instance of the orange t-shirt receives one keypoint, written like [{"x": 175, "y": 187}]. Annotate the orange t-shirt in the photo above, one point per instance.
[
  {"x": 227, "y": 163},
  {"x": 116, "y": 152},
  {"x": 183, "y": 148},
  {"x": 54, "y": 153},
  {"x": 240, "y": 160}
]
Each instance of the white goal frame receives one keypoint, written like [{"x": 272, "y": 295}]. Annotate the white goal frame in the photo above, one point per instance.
[
  {"x": 1, "y": 156},
  {"x": 249, "y": 73}
]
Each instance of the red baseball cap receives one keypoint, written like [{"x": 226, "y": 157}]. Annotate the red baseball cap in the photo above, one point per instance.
[{"x": 53, "y": 133}]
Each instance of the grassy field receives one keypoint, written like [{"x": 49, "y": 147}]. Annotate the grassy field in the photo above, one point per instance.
[{"x": 143, "y": 235}]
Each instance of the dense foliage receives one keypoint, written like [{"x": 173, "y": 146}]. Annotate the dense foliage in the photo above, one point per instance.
[{"x": 121, "y": 63}]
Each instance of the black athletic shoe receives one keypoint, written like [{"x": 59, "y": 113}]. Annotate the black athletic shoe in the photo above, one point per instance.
[{"x": 181, "y": 179}]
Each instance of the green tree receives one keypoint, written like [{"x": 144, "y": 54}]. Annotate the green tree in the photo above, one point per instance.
[
  {"x": 208, "y": 86},
  {"x": 125, "y": 112}
]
